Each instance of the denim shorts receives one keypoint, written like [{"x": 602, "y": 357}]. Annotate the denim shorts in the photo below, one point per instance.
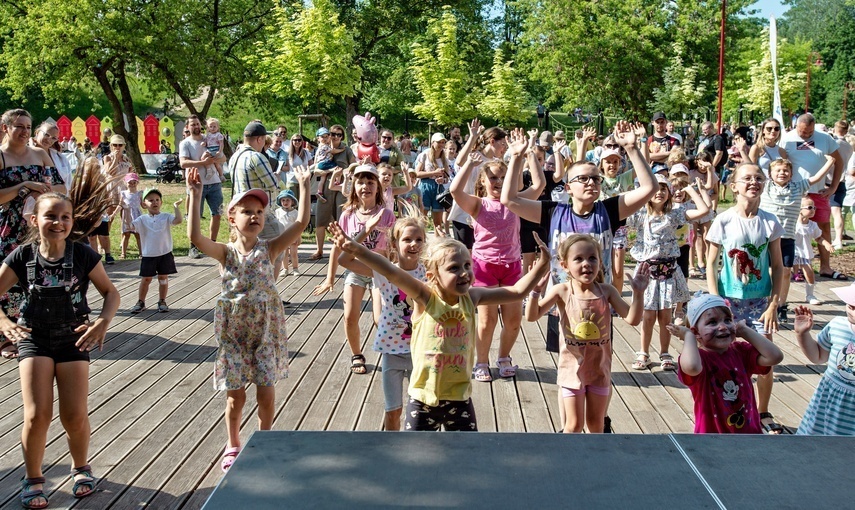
[
  {"x": 54, "y": 343},
  {"x": 430, "y": 189},
  {"x": 395, "y": 368},
  {"x": 213, "y": 195},
  {"x": 358, "y": 280}
]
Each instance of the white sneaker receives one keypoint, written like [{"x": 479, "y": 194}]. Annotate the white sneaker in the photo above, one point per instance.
[
  {"x": 813, "y": 300},
  {"x": 837, "y": 246},
  {"x": 295, "y": 272}
]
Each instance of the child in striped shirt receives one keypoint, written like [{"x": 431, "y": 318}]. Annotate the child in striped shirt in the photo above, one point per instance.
[{"x": 782, "y": 197}]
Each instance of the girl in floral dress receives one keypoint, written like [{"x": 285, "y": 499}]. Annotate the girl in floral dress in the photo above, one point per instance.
[
  {"x": 656, "y": 244},
  {"x": 249, "y": 318}
]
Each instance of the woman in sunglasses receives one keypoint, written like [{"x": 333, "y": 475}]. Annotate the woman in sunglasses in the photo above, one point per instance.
[
  {"x": 298, "y": 157},
  {"x": 767, "y": 150}
]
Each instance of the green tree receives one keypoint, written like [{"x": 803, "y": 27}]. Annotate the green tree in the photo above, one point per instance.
[
  {"x": 504, "y": 96},
  {"x": 757, "y": 94},
  {"x": 441, "y": 76},
  {"x": 682, "y": 90},
  {"x": 311, "y": 61}
]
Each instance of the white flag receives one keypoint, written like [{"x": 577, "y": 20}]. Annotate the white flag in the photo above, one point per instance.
[{"x": 777, "y": 113}]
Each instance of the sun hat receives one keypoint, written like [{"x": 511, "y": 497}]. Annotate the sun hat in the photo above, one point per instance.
[
  {"x": 366, "y": 169},
  {"x": 701, "y": 304},
  {"x": 661, "y": 179},
  {"x": 437, "y": 137},
  {"x": 132, "y": 177},
  {"x": 846, "y": 294},
  {"x": 287, "y": 193},
  {"x": 546, "y": 139},
  {"x": 322, "y": 131},
  {"x": 149, "y": 191},
  {"x": 117, "y": 140},
  {"x": 559, "y": 135},
  {"x": 260, "y": 194}
]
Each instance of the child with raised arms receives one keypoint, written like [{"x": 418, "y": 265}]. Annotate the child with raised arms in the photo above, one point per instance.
[
  {"x": 443, "y": 340},
  {"x": 831, "y": 411},
  {"x": 54, "y": 334},
  {"x": 496, "y": 251},
  {"x": 717, "y": 368},
  {"x": 249, "y": 320},
  {"x": 744, "y": 265},
  {"x": 585, "y": 358},
  {"x": 656, "y": 244}
]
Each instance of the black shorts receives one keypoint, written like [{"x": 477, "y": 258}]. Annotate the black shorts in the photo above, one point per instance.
[
  {"x": 836, "y": 200},
  {"x": 463, "y": 233},
  {"x": 55, "y": 343},
  {"x": 154, "y": 266},
  {"x": 683, "y": 260},
  {"x": 527, "y": 243},
  {"x": 788, "y": 251},
  {"x": 103, "y": 229},
  {"x": 453, "y": 415}
]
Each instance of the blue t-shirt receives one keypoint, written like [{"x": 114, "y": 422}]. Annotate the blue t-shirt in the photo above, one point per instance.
[{"x": 744, "y": 252}]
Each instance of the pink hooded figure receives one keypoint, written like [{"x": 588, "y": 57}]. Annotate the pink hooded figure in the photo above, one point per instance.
[{"x": 367, "y": 133}]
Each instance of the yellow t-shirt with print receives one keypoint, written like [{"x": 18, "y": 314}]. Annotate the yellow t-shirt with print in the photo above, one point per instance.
[{"x": 443, "y": 351}]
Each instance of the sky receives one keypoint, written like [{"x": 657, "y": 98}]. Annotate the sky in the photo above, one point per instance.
[{"x": 769, "y": 7}]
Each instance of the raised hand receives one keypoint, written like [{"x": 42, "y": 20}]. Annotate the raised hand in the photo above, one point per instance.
[
  {"x": 178, "y": 202},
  {"x": 532, "y": 138},
  {"x": 640, "y": 130},
  {"x": 194, "y": 182},
  {"x": 804, "y": 320},
  {"x": 518, "y": 142},
  {"x": 625, "y": 134},
  {"x": 641, "y": 279},
  {"x": 678, "y": 331},
  {"x": 474, "y": 129},
  {"x": 558, "y": 145},
  {"x": 475, "y": 158},
  {"x": 303, "y": 174},
  {"x": 341, "y": 239},
  {"x": 588, "y": 133}
]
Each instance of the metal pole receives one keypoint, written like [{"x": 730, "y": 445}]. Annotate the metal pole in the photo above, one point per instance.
[{"x": 721, "y": 63}]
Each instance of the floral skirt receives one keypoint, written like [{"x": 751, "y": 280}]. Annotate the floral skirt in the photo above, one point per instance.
[{"x": 667, "y": 285}]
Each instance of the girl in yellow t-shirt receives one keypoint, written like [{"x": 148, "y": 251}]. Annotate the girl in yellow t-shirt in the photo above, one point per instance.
[{"x": 443, "y": 339}]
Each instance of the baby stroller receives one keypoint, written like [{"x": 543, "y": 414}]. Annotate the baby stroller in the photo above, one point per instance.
[{"x": 170, "y": 170}]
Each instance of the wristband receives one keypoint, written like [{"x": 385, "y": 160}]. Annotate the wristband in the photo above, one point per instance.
[{"x": 24, "y": 192}]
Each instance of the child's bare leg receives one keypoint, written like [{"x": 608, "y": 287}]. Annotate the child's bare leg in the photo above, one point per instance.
[
  {"x": 488, "y": 317},
  {"x": 647, "y": 322},
  {"x": 664, "y": 317},
  {"x": 139, "y": 248},
  {"x": 235, "y": 400},
  {"x": 595, "y": 412},
  {"x": 145, "y": 281},
  {"x": 528, "y": 260},
  {"x": 617, "y": 268},
  {"x": 162, "y": 286},
  {"x": 764, "y": 387},
  {"x": 295, "y": 256},
  {"x": 265, "y": 397},
  {"x": 36, "y": 376},
  {"x": 72, "y": 383},
  {"x": 392, "y": 420},
  {"x": 574, "y": 413},
  {"x": 322, "y": 183},
  {"x": 808, "y": 272},
  {"x": 126, "y": 237}
]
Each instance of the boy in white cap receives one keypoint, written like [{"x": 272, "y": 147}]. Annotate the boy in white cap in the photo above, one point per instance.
[
  {"x": 717, "y": 368},
  {"x": 156, "y": 236}
]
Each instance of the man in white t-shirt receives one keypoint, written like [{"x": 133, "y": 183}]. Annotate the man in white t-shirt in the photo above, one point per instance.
[
  {"x": 193, "y": 153},
  {"x": 839, "y": 131},
  {"x": 806, "y": 148}
]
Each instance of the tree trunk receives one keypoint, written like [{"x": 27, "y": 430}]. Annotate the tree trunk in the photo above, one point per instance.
[
  {"x": 351, "y": 110},
  {"x": 122, "y": 107}
]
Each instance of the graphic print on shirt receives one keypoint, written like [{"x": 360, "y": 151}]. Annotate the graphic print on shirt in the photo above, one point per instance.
[
  {"x": 745, "y": 262},
  {"x": 846, "y": 362},
  {"x": 451, "y": 334},
  {"x": 399, "y": 301},
  {"x": 728, "y": 385}
]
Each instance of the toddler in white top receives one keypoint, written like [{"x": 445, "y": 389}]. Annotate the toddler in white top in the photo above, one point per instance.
[
  {"x": 807, "y": 231},
  {"x": 287, "y": 215},
  {"x": 215, "y": 141}
]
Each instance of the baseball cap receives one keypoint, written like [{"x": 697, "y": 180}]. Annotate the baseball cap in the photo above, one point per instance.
[
  {"x": 254, "y": 128},
  {"x": 658, "y": 116},
  {"x": 149, "y": 191},
  {"x": 117, "y": 140},
  {"x": 546, "y": 139},
  {"x": 609, "y": 153},
  {"x": 702, "y": 303},
  {"x": 132, "y": 177},
  {"x": 437, "y": 137},
  {"x": 261, "y": 195},
  {"x": 846, "y": 294},
  {"x": 661, "y": 179},
  {"x": 322, "y": 131},
  {"x": 368, "y": 169},
  {"x": 679, "y": 168},
  {"x": 559, "y": 135}
]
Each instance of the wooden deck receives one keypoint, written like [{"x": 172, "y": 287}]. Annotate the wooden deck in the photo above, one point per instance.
[{"x": 157, "y": 423}]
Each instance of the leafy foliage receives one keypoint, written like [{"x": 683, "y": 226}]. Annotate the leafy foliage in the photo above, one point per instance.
[{"x": 504, "y": 97}]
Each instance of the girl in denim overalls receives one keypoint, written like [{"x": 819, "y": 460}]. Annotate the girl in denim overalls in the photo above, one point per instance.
[{"x": 54, "y": 335}]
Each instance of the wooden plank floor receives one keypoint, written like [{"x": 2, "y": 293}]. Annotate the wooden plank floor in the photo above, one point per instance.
[{"x": 157, "y": 423}]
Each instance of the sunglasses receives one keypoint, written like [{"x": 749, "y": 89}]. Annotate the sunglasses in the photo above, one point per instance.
[
  {"x": 385, "y": 137},
  {"x": 771, "y": 129},
  {"x": 337, "y": 135},
  {"x": 749, "y": 180},
  {"x": 585, "y": 179},
  {"x": 810, "y": 207},
  {"x": 297, "y": 140},
  {"x": 117, "y": 145},
  {"x": 612, "y": 146}
]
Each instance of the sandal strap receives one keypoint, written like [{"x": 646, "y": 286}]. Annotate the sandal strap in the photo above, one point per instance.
[
  {"x": 357, "y": 357},
  {"x": 87, "y": 470},
  {"x": 33, "y": 481}
]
